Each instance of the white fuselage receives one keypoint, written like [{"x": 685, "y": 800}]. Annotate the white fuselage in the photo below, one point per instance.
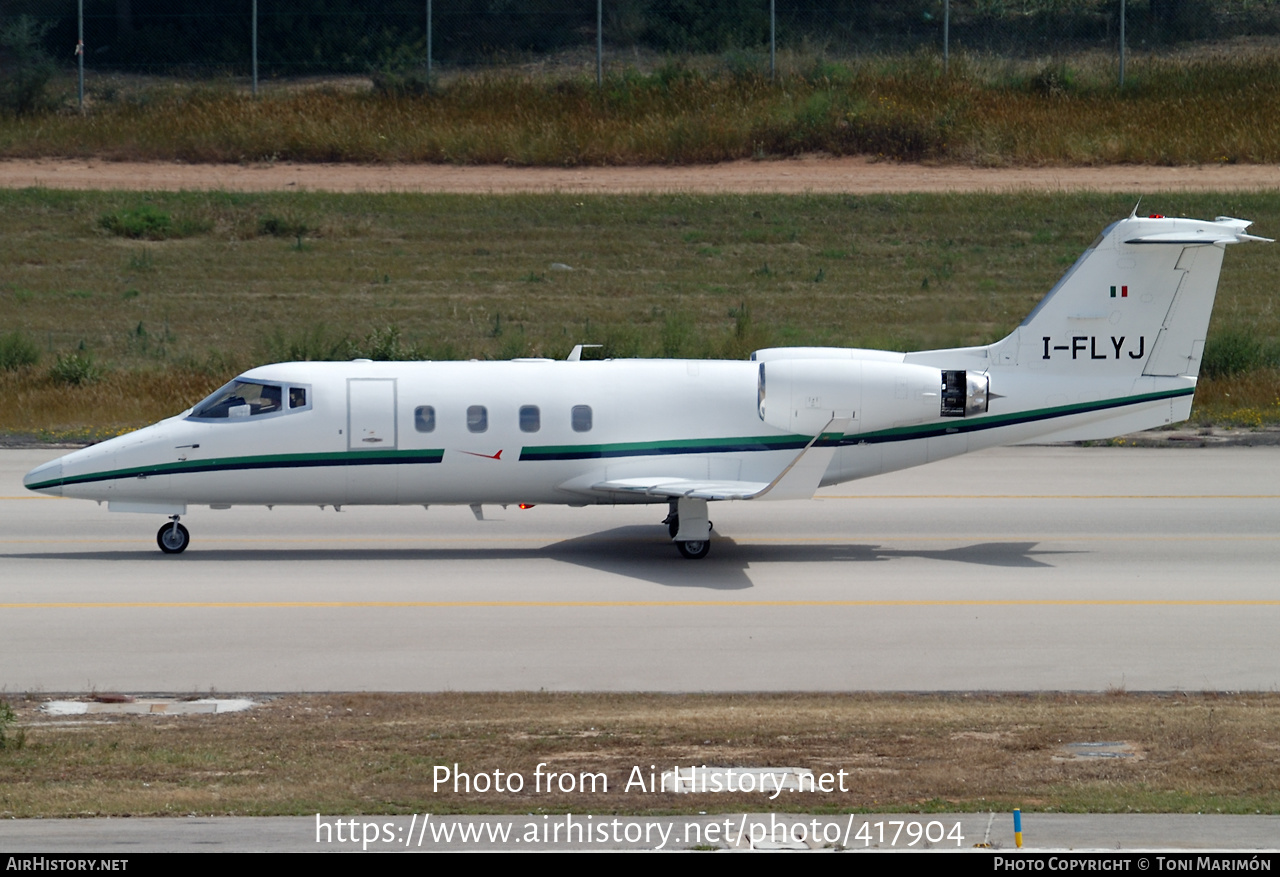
[
  {"x": 1114, "y": 347},
  {"x": 359, "y": 438}
]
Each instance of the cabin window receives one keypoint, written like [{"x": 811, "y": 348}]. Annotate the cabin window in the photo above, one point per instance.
[
  {"x": 297, "y": 397},
  {"x": 240, "y": 399},
  {"x": 581, "y": 418},
  {"x": 424, "y": 418},
  {"x": 530, "y": 418},
  {"x": 477, "y": 418}
]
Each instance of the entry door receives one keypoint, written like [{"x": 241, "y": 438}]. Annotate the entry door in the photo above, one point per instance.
[{"x": 371, "y": 414}]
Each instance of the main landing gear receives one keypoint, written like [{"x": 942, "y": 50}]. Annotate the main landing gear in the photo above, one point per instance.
[
  {"x": 687, "y": 518},
  {"x": 173, "y": 538},
  {"x": 694, "y": 549}
]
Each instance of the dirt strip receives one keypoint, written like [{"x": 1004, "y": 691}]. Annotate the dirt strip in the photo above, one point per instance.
[{"x": 805, "y": 174}]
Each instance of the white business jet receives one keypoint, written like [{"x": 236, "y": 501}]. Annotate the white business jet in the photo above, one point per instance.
[{"x": 1113, "y": 348}]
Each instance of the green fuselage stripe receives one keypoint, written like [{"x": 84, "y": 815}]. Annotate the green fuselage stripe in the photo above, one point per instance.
[
  {"x": 995, "y": 421},
  {"x": 732, "y": 444},
  {"x": 265, "y": 461},
  {"x": 796, "y": 442}
]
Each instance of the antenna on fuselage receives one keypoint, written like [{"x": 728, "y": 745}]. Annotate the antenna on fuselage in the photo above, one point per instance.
[{"x": 575, "y": 355}]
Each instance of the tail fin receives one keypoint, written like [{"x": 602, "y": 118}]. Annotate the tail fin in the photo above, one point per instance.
[{"x": 1136, "y": 303}]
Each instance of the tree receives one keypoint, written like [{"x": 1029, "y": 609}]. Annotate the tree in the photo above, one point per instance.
[{"x": 25, "y": 67}]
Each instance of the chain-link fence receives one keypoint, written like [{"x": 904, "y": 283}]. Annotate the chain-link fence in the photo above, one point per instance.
[{"x": 287, "y": 39}]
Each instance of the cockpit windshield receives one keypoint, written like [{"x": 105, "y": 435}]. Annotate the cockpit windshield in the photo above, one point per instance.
[{"x": 240, "y": 398}]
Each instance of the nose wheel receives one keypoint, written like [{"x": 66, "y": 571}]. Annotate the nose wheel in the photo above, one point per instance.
[{"x": 173, "y": 538}]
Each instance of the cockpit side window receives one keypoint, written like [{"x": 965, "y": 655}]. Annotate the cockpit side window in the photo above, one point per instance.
[
  {"x": 268, "y": 400},
  {"x": 242, "y": 398}
]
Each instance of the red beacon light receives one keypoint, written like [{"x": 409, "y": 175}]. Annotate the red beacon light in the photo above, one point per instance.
[{"x": 1156, "y": 216}]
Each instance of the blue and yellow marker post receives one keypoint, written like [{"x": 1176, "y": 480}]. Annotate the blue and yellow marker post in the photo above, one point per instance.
[{"x": 1017, "y": 827}]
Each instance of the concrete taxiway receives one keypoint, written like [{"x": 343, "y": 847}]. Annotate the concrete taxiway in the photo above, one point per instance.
[
  {"x": 907, "y": 832},
  {"x": 1012, "y": 569}
]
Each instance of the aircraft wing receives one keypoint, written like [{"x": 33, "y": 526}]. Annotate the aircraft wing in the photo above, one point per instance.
[
  {"x": 683, "y": 487},
  {"x": 798, "y": 480}
]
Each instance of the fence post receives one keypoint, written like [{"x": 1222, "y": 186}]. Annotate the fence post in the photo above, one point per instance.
[
  {"x": 254, "y": 40},
  {"x": 80, "y": 53},
  {"x": 599, "y": 43},
  {"x": 1122, "y": 17},
  {"x": 773, "y": 39},
  {"x": 946, "y": 36}
]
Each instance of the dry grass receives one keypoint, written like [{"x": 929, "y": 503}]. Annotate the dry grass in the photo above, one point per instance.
[
  {"x": 31, "y": 402},
  {"x": 1249, "y": 399},
  {"x": 361, "y": 753},
  {"x": 985, "y": 111}
]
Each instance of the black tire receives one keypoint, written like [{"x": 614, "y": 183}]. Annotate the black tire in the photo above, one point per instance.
[
  {"x": 173, "y": 538},
  {"x": 695, "y": 550}
]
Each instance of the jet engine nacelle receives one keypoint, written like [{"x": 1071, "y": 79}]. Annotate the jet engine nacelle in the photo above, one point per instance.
[
  {"x": 804, "y": 395},
  {"x": 964, "y": 394}
]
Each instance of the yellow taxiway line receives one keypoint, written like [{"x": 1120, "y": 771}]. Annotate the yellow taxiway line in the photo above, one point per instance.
[{"x": 616, "y": 604}]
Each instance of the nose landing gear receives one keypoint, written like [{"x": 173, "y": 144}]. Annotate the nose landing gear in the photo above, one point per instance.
[{"x": 173, "y": 538}]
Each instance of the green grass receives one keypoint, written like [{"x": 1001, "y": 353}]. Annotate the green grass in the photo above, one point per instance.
[
  {"x": 1212, "y": 106},
  {"x": 457, "y": 277}
]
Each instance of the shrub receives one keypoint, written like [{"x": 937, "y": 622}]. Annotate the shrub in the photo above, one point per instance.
[
  {"x": 281, "y": 226},
  {"x": 309, "y": 344},
  {"x": 149, "y": 223},
  {"x": 384, "y": 345},
  {"x": 146, "y": 222},
  {"x": 17, "y": 351},
  {"x": 1230, "y": 353},
  {"x": 75, "y": 370},
  {"x": 7, "y": 718},
  {"x": 317, "y": 344},
  {"x": 1054, "y": 80},
  {"x": 400, "y": 74}
]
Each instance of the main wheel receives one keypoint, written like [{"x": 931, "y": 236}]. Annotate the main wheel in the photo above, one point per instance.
[
  {"x": 695, "y": 549},
  {"x": 173, "y": 538}
]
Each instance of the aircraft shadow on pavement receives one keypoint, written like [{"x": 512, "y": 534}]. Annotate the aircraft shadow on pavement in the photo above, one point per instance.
[{"x": 636, "y": 552}]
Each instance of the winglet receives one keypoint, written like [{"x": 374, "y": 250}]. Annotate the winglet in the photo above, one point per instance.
[
  {"x": 798, "y": 480},
  {"x": 801, "y": 478}
]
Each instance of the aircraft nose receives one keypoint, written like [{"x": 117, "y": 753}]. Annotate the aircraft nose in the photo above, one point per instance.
[{"x": 46, "y": 478}]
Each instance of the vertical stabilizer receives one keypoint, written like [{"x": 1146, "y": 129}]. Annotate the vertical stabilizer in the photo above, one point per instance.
[{"x": 1136, "y": 303}]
